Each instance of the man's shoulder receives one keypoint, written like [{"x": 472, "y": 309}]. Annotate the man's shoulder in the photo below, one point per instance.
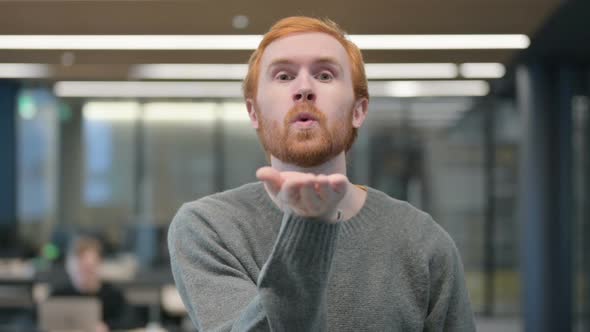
[
  {"x": 409, "y": 221},
  {"x": 232, "y": 217},
  {"x": 223, "y": 206},
  {"x": 392, "y": 207},
  {"x": 243, "y": 196}
]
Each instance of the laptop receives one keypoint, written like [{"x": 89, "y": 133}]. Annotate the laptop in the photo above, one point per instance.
[{"x": 70, "y": 313}]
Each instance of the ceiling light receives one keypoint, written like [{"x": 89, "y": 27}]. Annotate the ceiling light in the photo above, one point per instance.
[
  {"x": 410, "y": 70},
  {"x": 110, "y": 111},
  {"x": 234, "y": 112},
  {"x": 24, "y": 70},
  {"x": 239, "y": 71},
  {"x": 439, "y": 42},
  {"x": 129, "y": 42},
  {"x": 250, "y": 42},
  {"x": 179, "y": 112},
  {"x": 482, "y": 70},
  {"x": 148, "y": 89},
  {"x": 116, "y": 89},
  {"x": 190, "y": 71},
  {"x": 240, "y": 21},
  {"x": 428, "y": 88}
]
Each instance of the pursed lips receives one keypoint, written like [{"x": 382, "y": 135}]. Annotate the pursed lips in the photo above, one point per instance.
[{"x": 305, "y": 117}]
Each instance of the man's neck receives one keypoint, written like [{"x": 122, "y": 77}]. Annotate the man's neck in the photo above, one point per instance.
[
  {"x": 355, "y": 197},
  {"x": 336, "y": 165}
]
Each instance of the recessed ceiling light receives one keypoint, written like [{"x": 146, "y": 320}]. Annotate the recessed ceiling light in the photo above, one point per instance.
[
  {"x": 240, "y": 22},
  {"x": 179, "y": 112},
  {"x": 67, "y": 59},
  {"x": 403, "y": 89},
  {"x": 24, "y": 70},
  {"x": 239, "y": 71},
  {"x": 440, "y": 42},
  {"x": 189, "y": 71},
  {"x": 115, "y": 89},
  {"x": 136, "y": 89},
  {"x": 482, "y": 70},
  {"x": 410, "y": 70},
  {"x": 250, "y": 42},
  {"x": 110, "y": 111}
]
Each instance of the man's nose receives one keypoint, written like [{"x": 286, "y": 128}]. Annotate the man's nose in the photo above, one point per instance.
[{"x": 304, "y": 95}]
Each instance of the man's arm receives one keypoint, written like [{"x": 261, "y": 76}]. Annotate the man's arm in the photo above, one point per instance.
[
  {"x": 290, "y": 291},
  {"x": 219, "y": 294},
  {"x": 449, "y": 307},
  {"x": 293, "y": 282}
]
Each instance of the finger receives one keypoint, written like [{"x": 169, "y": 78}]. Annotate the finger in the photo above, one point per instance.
[
  {"x": 322, "y": 186},
  {"x": 267, "y": 173},
  {"x": 290, "y": 191},
  {"x": 338, "y": 183},
  {"x": 271, "y": 177},
  {"x": 310, "y": 199}
]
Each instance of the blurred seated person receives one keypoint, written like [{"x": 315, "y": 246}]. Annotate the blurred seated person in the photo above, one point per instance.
[{"x": 83, "y": 262}]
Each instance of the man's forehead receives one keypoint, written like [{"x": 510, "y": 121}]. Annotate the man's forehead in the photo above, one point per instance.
[{"x": 311, "y": 46}]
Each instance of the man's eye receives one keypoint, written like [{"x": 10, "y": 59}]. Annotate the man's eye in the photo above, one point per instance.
[
  {"x": 324, "y": 76},
  {"x": 284, "y": 77}
]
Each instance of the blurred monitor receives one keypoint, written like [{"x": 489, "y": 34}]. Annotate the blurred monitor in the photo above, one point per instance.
[
  {"x": 70, "y": 314},
  {"x": 16, "y": 304},
  {"x": 149, "y": 243},
  {"x": 16, "y": 293},
  {"x": 10, "y": 241}
]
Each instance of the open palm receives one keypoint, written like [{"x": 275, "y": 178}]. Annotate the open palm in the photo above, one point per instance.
[{"x": 305, "y": 194}]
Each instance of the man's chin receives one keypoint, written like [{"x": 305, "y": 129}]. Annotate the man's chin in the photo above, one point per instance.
[
  {"x": 307, "y": 158},
  {"x": 308, "y": 162}
]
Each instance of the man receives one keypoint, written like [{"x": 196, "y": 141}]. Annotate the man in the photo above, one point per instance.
[
  {"x": 83, "y": 261},
  {"x": 304, "y": 249}
]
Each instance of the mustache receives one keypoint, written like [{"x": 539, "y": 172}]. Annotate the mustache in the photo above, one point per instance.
[{"x": 308, "y": 108}]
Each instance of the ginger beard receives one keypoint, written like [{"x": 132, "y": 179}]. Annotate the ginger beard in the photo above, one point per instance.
[{"x": 308, "y": 147}]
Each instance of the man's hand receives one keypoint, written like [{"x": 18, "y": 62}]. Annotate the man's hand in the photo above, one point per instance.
[
  {"x": 305, "y": 194},
  {"x": 102, "y": 327}
]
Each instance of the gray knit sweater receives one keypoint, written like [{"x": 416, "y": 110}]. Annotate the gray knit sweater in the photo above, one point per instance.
[{"x": 240, "y": 264}]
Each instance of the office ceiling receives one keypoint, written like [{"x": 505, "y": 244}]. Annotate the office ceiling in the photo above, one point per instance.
[{"x": 215, "y": 17}]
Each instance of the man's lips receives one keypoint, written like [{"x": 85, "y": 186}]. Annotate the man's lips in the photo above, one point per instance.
[{"x": 305, "y": 117}]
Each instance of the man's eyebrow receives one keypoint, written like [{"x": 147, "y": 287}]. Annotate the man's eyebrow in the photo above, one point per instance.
[
  {"x": 329, "y": 61},
  {"x": 324, "y": 60},
  {"x": 279, "y": 62}
]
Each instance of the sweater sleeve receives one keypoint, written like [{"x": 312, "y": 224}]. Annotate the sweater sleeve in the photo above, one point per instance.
[
  {"x": 449, "y": 307},
  {"x": 221, "y": 296},
  {"x": 292, "y": 284}
]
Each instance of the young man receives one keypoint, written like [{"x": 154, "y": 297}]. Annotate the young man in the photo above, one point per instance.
[
  {"x": 83, "y": 261},
  {"x": 304, "y": 249}
]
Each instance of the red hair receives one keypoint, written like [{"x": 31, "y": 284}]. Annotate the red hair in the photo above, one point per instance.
[{"x": 302, "y": 24}]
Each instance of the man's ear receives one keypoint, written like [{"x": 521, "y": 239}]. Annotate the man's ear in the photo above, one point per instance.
[
  {"x": 252, "y": 113},
  {"x": 359, "y": 113}
]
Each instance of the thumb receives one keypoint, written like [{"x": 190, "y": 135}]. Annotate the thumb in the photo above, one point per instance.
[{"x": 271, "y": 177}]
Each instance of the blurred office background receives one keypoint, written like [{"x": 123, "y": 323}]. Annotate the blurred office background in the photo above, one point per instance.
[{"x": 491, "y": 139}]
